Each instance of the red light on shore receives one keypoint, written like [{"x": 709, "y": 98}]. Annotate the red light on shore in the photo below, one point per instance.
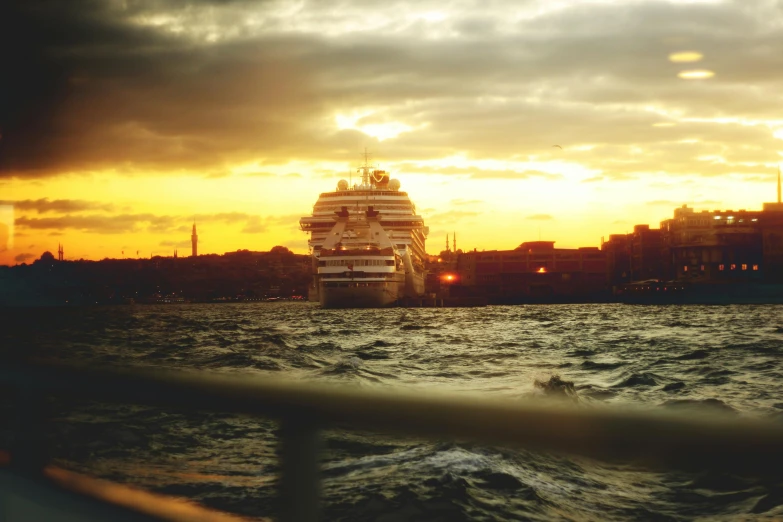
[
  {"x": 541, "y": 270},
  {"x": 448, "y": 278}
]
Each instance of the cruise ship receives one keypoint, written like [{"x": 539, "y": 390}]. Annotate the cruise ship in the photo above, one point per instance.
[{"x": 367, "y": 243}]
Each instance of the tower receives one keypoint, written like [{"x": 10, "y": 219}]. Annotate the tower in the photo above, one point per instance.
[
  {"x": 454, "y": 241},
  {"x": 194, "y": 241},
  {"x": 779, "y": 201},
  {"x": 447, "y": 243},
  {"x": 60, "y": 253}
]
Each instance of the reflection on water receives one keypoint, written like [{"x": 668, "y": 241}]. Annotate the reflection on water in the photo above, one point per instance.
[{"x": 726, "y": 358}]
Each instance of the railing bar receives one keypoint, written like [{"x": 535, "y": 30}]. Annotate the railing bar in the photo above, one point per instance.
[
  {"x": 300, "y": 483},
  {"x": 656, "y": 439}
]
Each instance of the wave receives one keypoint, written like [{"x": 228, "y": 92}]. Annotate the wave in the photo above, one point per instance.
[
  {"x": 582, "y": 352},
  {"x": 638, "y": 379},
  {"x": 674, "y": 386},
  {"x": 557, "y": 387},
  {"x": 693, "y": 356},
  {"x": 715, "y": 405},
  {"x": 597, "y": 393},
  {"x": 232, "y": 359},
  {"x": 370, "y": 355},
  {"x": 596, "y": 365}
]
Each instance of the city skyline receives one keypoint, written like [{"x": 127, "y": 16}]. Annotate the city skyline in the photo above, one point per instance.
[{"x": 564, "y": 121}]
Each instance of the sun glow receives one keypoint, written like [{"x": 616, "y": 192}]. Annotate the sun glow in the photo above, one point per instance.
[
  {"x": 685, "y": 57},
  {"x": 380, "y": 131},
  {"x": 696, "y": 74}
]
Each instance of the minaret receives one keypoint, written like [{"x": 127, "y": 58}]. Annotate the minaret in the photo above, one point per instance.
[
  {"x": 194, "y": 241},
  {"x": 454, "y": 238},
  {"x": 60, "y": 253},
  {"x": 447, "y": 242},
  {"x": 175, "y": 253},
  {"x": 779, "y": 201}
]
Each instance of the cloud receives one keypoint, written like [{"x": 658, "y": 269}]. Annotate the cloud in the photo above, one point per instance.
[
  {"x": 126, "y": 223},
  {"x": 676, "y": 204},
  {"x": 540, "y": 217},
  {"x": 23, "y": 258},
  {"x": 452, "y": 216},
  {"x": 167, "y": 84},
  {"x": 663, "y": 203},
  {"x": 176, "y": 244},
  {"x": 465, "y": 202},
  {"x": 255, "y": 226},
  {"x": 512, "y": 174},
  {"x": 706, "y": 203},
  {"x": 474, "y": 172},
  {"x": 122, "y": 223},
  {"x": 225, "y": 217},
  {"x": 44, "y": 205}
]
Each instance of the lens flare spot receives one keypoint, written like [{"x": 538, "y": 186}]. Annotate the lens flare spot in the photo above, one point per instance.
[
  {"x": 696, "y": 74},
  {"x": 685, "y": 57}
]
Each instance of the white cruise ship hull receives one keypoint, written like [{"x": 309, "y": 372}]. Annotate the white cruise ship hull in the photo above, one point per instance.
[
  {"x": 360, "y": 295},
  {"x": 367, "y": 243}
]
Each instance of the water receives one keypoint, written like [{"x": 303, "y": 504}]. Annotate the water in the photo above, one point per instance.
[{"x": 721, "y": 357}]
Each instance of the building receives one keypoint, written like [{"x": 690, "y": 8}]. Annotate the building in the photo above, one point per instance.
[
  {"x": 194, "y": 241},
  {"x": 647, "y": 259},
  {"x": 534, "y": 271},
  {"x": 715, "y": 246},
  {"x": 618, "y": 258}
]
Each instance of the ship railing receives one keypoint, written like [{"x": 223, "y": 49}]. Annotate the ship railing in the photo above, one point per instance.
[{"x": 652, "y": 438}]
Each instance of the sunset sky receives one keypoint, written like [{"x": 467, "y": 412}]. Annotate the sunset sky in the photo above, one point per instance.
[{"x": 123, "y": 121}]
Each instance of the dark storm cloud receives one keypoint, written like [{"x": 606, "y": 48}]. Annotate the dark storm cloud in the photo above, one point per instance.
[
  {"x": 44, "y": 205},
  {"x": 124, "y": 93},
  {"x": 93, "y": 86}
]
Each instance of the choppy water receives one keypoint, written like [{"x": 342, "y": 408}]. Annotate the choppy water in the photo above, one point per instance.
[{"x": 726, "y": 357}]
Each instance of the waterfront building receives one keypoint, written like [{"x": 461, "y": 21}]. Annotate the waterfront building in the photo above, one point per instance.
[
  {"x": 533, "y": 271},
  {"x": 618, "y": 258},
  {"x": 715, "y": 246},
  {"x": 771, "y": 225},
  {"x": 647, "y": 259}
]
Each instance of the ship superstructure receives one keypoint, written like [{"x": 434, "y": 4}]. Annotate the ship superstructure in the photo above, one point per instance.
[{"x": 367, "y": 243}]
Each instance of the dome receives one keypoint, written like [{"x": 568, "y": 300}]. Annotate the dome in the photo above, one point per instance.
[
  {"x": 342, "y": 185},
  {"x": 394, "y": 184}
]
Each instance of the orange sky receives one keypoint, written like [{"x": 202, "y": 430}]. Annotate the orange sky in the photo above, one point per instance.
[{"x": 133, "y": 119}]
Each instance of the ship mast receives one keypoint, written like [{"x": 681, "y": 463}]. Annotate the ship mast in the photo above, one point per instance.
[{"x": 365, "y": 169}]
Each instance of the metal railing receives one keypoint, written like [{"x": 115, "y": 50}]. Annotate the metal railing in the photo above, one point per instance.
[{"x": 657, "y": 439}]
